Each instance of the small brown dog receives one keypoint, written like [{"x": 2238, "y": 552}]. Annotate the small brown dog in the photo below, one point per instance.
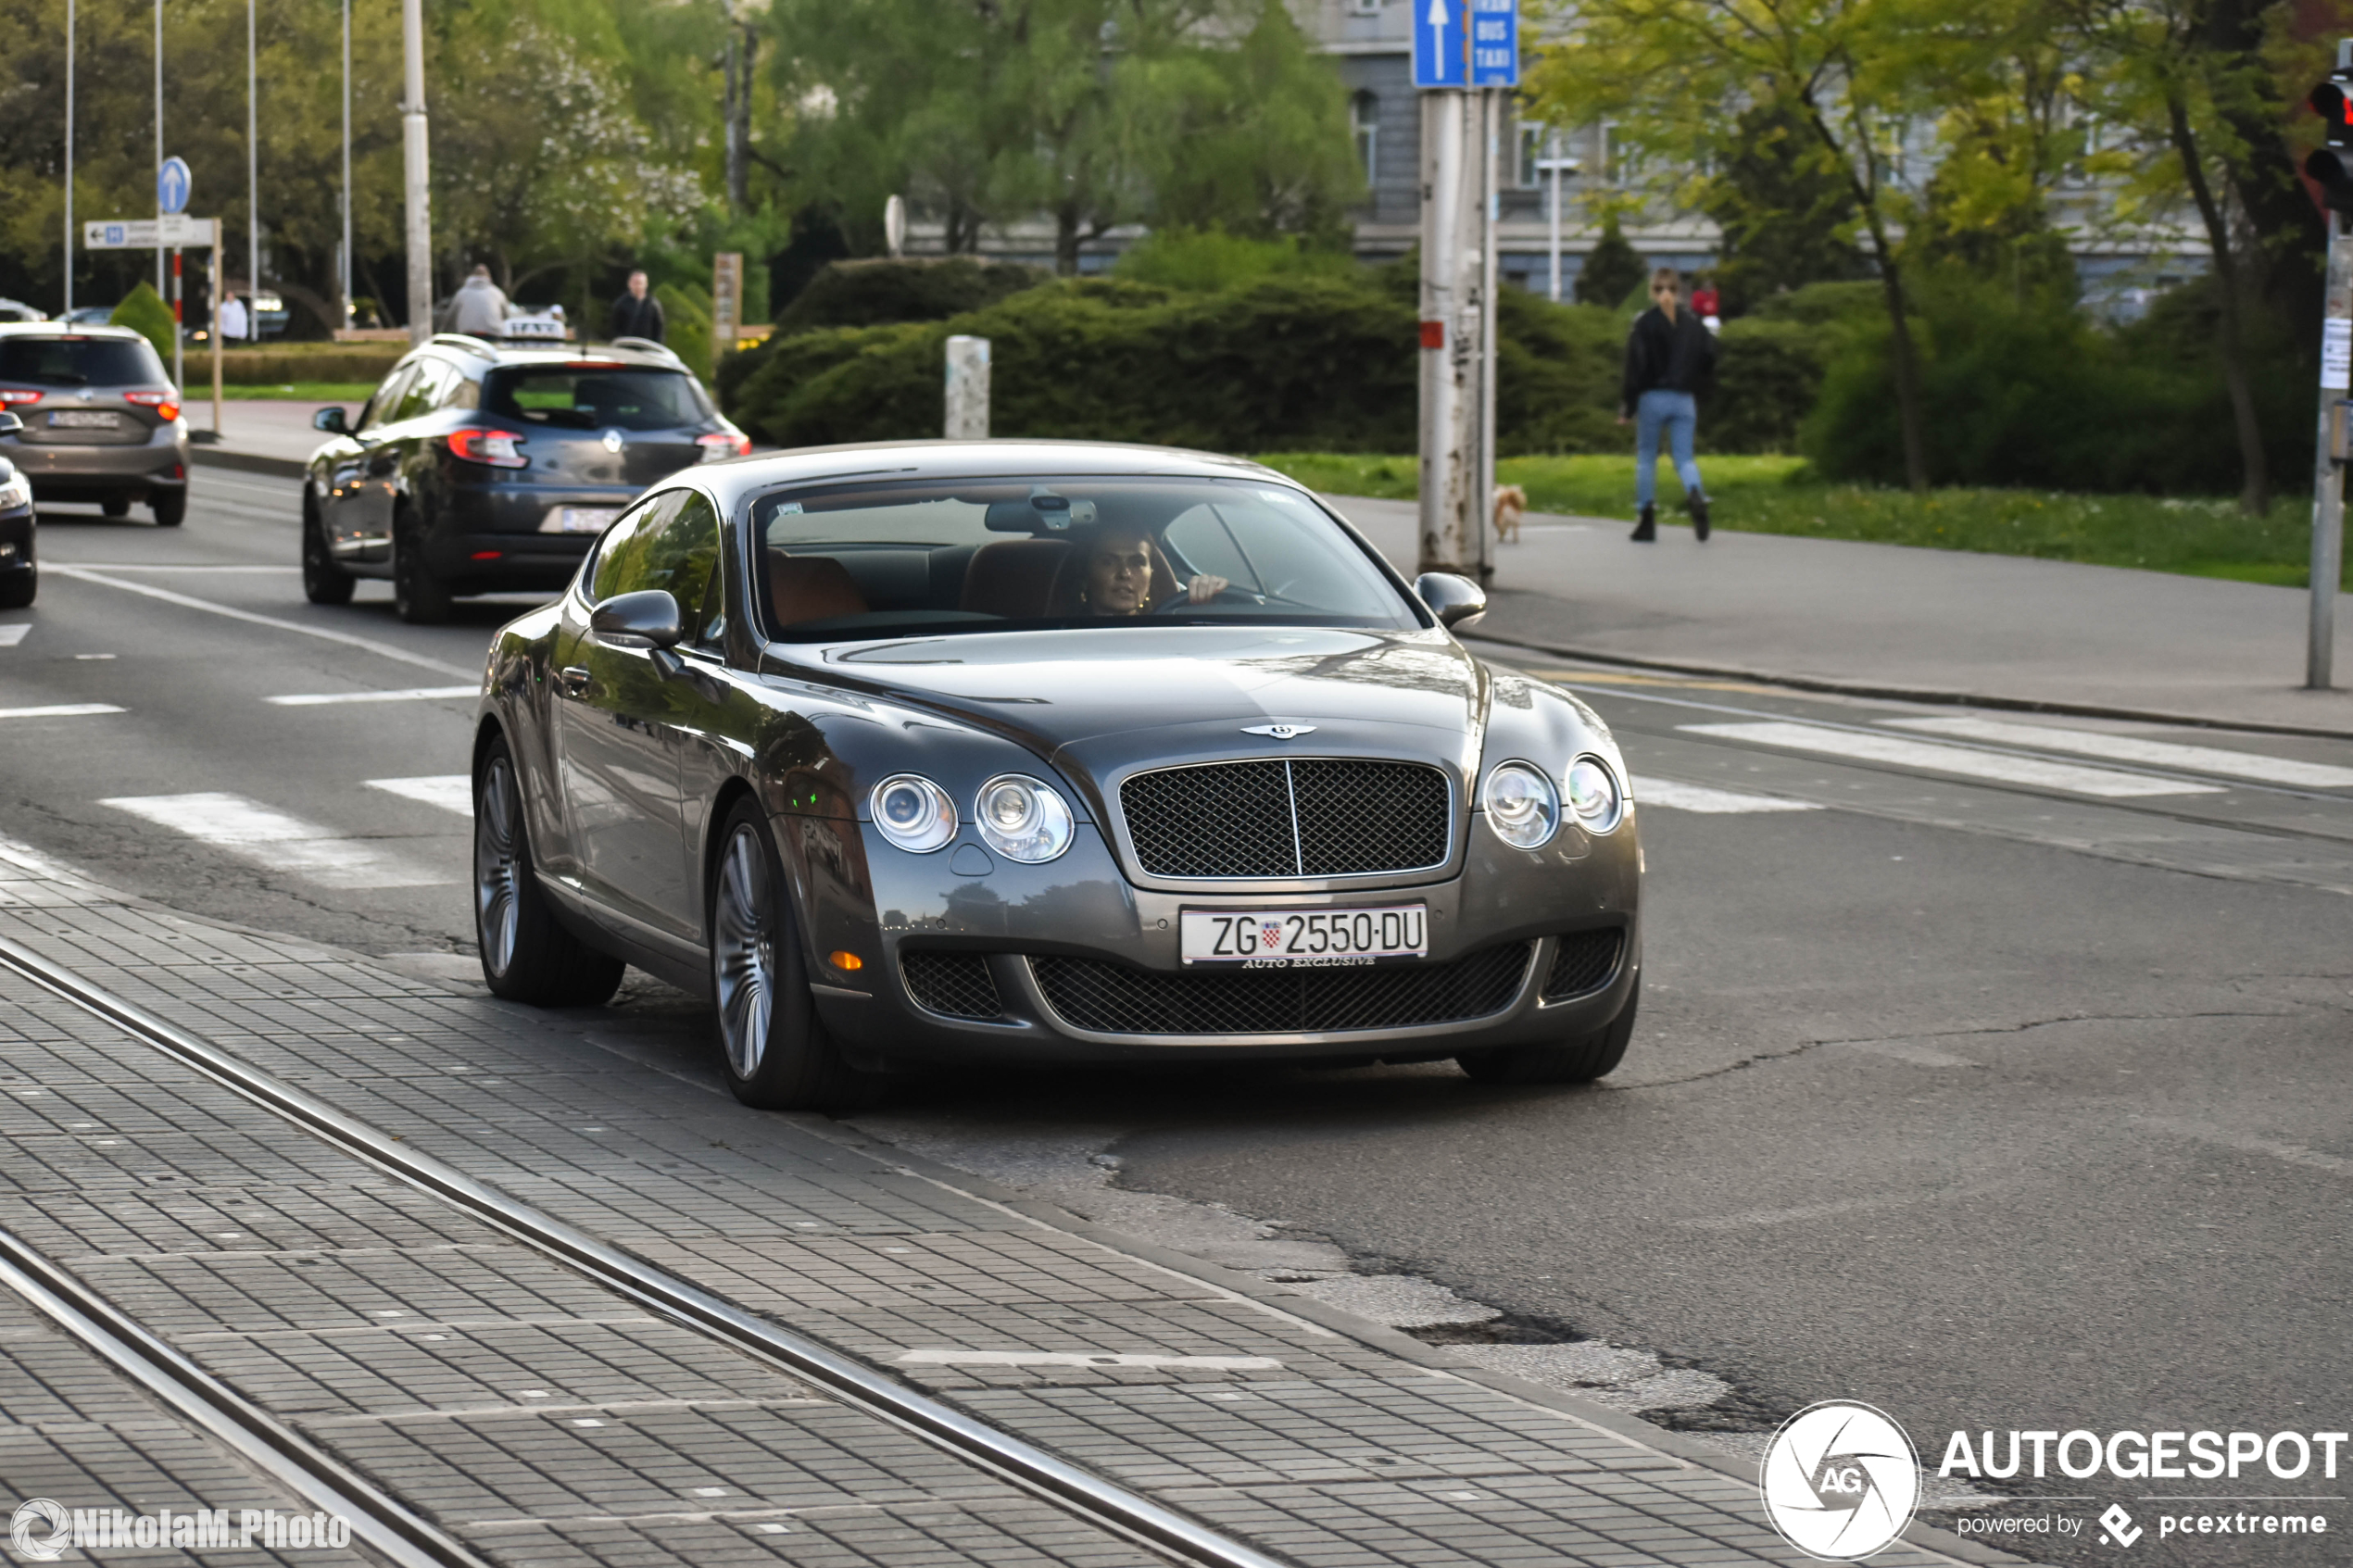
[{"x": 1511, "y": 502}]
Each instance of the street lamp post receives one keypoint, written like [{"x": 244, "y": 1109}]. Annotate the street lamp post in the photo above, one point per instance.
[
  {"x": 67, "y": 309},
  {"x": 345, "y": 281},
  {"x": 253, "y": 183},
  {"x": 1556, "y": 164},
  {"x": 413, "y": 147},
  {"x": 159, "y": 282}
]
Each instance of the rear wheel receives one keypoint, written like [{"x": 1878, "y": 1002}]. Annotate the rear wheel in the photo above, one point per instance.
[
  {"x": 779, "y": 1056},
  {"x": 170, "y": 507},
  {"x": 420, "y": 598},
  {"x": 324, "y": 582},
  {"x": 527, "y": 956},
  {"x": 116, "y": 506},
  {"x": 1571, "y": 1061}
]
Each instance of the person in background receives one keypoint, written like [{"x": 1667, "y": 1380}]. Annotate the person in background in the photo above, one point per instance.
[
  {"x": 1706, "y": 303},
  {"x": 637, "y": 313},
  {"x": 234, "y": 320},
  {"x": 1668, "y": 354},
  {"x": 478, "y": 307}
]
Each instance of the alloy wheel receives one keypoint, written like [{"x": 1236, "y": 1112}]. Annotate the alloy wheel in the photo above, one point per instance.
[
  {"x": 498, "y": 866},
  {"x": 743, "y": 951}
]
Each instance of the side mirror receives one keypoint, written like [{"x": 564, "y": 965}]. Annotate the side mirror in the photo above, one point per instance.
[
  {"x": 9, "y": 423},
  {"x": 648, "y": 619},
  {"x": 1457, "y": 601},
  {"x": 330, "y": 420}
]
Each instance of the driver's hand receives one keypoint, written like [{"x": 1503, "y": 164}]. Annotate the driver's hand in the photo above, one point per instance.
[{"x": 1205, "y": 588}]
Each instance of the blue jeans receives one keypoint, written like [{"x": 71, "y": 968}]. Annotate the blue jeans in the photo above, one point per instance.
[{"x": 1680, "y": 416}]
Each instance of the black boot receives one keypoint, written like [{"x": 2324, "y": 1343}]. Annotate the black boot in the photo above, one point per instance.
[
  {"x": 1646, "y": 530},
  {"x": 1698, "y": 505}
]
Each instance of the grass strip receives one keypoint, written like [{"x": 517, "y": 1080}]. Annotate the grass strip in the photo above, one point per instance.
[{"x": 2196, "y": 537}]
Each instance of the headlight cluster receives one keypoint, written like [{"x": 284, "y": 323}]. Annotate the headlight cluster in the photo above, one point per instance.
[
  {"x": 1524, "y": 808},
  {"x": 1019, "y": 817},
  {"x": 15, "y": 490}
]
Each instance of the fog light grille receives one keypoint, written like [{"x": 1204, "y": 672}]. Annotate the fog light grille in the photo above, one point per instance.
[{"x": 953, "y": 984}]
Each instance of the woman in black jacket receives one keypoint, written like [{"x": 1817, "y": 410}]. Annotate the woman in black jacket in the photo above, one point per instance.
[{"x": 1669, "y": 356}]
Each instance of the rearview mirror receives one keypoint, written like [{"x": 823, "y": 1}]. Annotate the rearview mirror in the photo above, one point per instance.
[
  {"x": 10, "y": 424},
  {"x": 332, "y": 421},
  {"x": 648, "y": 619},
  {"x": 1457, "y": 601}
]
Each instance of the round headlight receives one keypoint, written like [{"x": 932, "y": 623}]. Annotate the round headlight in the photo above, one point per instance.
[
  {"x": 1522, "y": 805},
  {"x": 913, "y": 813},
  {"x": 1021, "y": 818},
  {"x": 1593, "y": 794}
]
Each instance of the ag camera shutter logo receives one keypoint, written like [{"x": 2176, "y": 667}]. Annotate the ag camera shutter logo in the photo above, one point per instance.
[{"x": 1841, "y": 1481}]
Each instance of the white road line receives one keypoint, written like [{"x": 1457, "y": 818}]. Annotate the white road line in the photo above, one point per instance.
[
  {"x": 2134, "y": 748},
  {"x": 11, "y": 635},
  {"x": 1936, "y": 757},
  {"x": 60, "y": 710},
  {"x": 276, "y": 841},
  {"x": 451, "y": 792},
  {"x": 178, "y": 566},
  {"x": 367, "y": 645},
  {"x": 1714, "y": 802},
  {"x": 411, "y": 694}
]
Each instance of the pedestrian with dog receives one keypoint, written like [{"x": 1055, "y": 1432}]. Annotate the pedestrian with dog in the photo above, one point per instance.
[{"x": 1668, "y": 357}]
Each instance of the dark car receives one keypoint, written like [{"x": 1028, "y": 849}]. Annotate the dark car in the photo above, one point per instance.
[
  {"x": 101, "y": 417},
  {"x": 480, "y": 468},
  {"x": 19, "y": 572},
  {"x": 1056, "y": 751}
]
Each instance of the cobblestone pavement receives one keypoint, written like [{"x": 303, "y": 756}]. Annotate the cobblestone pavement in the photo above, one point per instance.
[{"x": 541, "y": 1418}]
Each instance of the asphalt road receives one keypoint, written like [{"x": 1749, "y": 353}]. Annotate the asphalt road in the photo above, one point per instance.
[{"x": 2001, "y": 1085}]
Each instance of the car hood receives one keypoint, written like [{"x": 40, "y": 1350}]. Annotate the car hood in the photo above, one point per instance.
[{"x": 1107, "y": 701}]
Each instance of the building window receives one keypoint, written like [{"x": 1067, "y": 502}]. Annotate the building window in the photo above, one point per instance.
[
  {"x": 1531, "y": 150},
  {"x": 1363, "y": 128}
]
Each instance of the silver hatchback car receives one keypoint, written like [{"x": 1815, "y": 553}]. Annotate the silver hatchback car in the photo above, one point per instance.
[{"x": 101, "y": 417}]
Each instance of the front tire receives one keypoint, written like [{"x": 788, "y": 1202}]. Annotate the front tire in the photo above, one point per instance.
[
  {"x": 18, "y": 588},
  {"x": 420, "y": 598},
  {"x": 169, "y": 508},
  {"x": 527, "y": 956},
  {"x": 777, "y": 1052},
  {"x": 324, "y": 582},
  {"x": 1571, "y": 1061}
]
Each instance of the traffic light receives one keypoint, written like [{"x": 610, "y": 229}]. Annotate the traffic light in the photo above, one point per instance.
[{"x": 2331, "y": 167}]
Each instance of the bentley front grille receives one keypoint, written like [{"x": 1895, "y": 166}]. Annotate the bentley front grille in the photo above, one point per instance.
[
  {"x": 1112, "y": 998},
  {"x": 1314, "y": 816}
]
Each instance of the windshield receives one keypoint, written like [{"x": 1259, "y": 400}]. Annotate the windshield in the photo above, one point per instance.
[
  {"x": 595, "y": 396},
  {"x": 78, "y": 361},
  {"x": 873, "y": 561}
]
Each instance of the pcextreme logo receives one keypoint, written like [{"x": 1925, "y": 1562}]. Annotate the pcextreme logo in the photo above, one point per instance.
[{"x": 1841, "y": 1481}]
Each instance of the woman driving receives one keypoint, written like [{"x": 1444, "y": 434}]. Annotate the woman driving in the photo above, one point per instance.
[{"x": 1120, "y": 572}]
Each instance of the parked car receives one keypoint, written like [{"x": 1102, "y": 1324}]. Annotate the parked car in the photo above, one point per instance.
[
  {"x": 88, "y": 316},
  {"x": 477, "y": 466},
  {"x": 19, "y": 572},
  {"x": 17, "y": 310},
  {"x": 1051, "y": 751},
  {"x": 101, "y": 417}
]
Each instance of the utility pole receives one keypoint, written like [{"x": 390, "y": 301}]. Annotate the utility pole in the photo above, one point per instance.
[
  {"x": 1482, "y": 552},
  {"x": 2330, "y": 167},
  {"x": 344, "y": 281},
  {"x": 68, "y": 308},
  {"x": 413, "y": 148},
  {"x": 1556, "y": 163},
  {"x": 159, "y": 282},
  {"x": 253, "y": 182}
]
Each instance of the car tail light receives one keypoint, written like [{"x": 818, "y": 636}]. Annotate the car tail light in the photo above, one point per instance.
[
  {"x": 499, "y": 448},
  {"x": 723, "y": 444},
  {"x": 488, "y": 555},
  {"x": 165, "y": 406},
  {"x": 12, "y": 395}
]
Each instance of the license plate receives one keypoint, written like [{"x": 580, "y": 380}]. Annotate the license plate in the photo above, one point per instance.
[
  {"x": 578, "y": 520},
  {"x": 1303, "y": 938},
  {"x": 80, "y": 418}
]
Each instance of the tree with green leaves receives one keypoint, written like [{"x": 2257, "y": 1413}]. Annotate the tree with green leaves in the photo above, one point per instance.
[
  {"x": 1783, "y": 207},
  {"x": 1613, "y": 268}
]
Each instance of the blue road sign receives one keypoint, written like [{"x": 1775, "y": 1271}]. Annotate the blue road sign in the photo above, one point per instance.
[
  {"x": 1441, "y": 44},
  {"x": 1494, "y": 43},
  {"x": 1465, "y": 43},
  {"x": 172, "y": 185}
]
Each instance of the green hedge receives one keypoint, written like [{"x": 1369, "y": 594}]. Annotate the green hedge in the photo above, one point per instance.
[
  {"x": 278, "y": 367},
  {"x": 144, "y": 311}
]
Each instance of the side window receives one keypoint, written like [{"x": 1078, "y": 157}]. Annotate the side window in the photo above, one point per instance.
[
  {"x": 424, "y": 392},
  {"x": 380, "y": 406},
  {"x": 460, "y": 391},
  {"x": 632, "y": 554}
]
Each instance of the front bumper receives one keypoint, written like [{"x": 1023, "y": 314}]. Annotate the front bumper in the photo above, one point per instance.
[
  {"x": 62, "y": 472},
  {"x": 1081, "y": 907}
]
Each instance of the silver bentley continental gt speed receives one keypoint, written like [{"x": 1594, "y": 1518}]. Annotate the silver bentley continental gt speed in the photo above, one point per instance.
[{"x": 1045, "y": 751}]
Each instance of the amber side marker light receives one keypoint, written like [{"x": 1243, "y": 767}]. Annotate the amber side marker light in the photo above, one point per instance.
[{"x": 846, "y": 961}]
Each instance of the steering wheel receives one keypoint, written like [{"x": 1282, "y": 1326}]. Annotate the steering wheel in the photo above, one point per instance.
[{"x": 1182, "y": 600}]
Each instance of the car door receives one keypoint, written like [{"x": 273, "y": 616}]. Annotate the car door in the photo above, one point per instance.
[
  {"x": 617, "y": 731},
  {"x": 358, "y": 510}
]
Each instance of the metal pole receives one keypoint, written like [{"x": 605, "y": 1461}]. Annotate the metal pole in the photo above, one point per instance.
[
  {"x": 67, "y": 310},
  {"x": 1481, "y": 518},
  {"x": 413, "y": 147},
  {"x": 253, "y": 183},
  {"x": 218, "y": 271},
  {"x": 345, "y": 281},
  {"x": 2328, "y": 488},
  {"x": 179, "y": 332},
  {"x": 158, "y": 170},
  {"x": 1450, "y": 321}
]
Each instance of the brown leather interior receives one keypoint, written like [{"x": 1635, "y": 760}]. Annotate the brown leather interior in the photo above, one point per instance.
[
  {"x": 1014, "y": 578},
  {"x": 810, "y": 588}
]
